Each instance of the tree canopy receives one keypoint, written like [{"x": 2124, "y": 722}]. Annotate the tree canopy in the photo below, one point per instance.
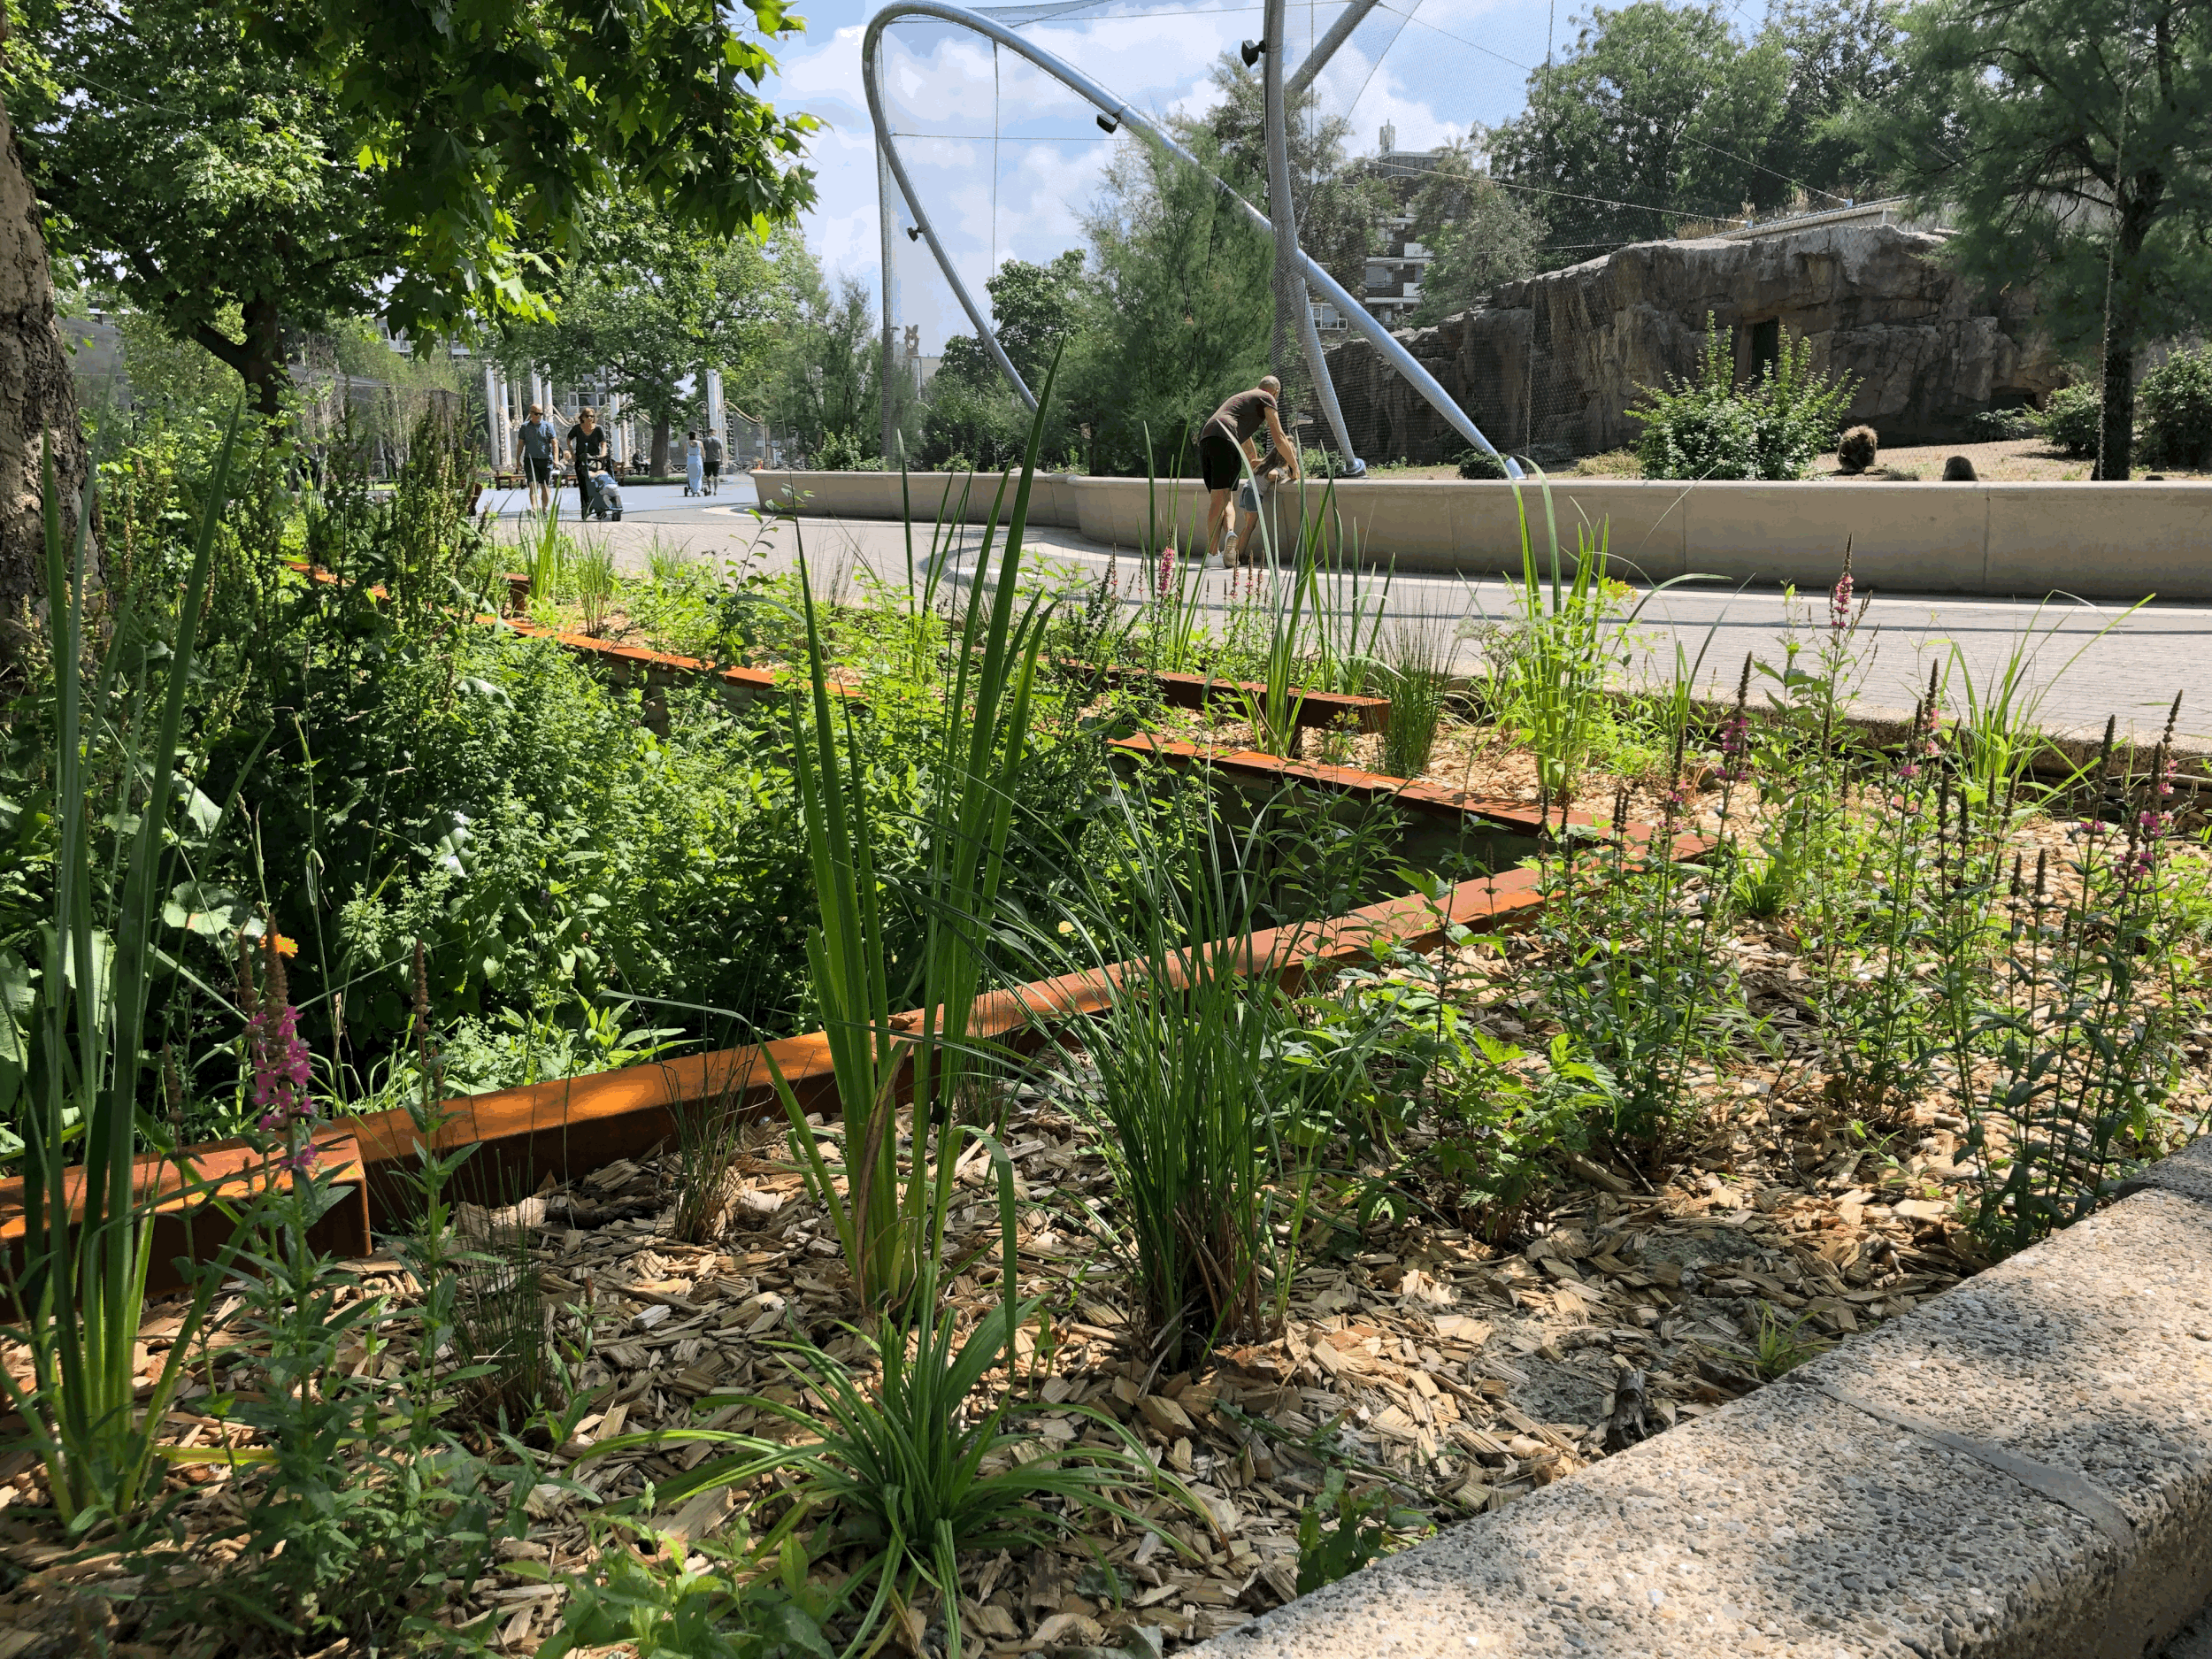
[
  {"x": 2070, "y": 144},
  {"x": 652, "y": 301},
  {"x": 1658, "y": 118},
  {"x": 1477, "y": 232},
  {"x": 434, "y": 164}
]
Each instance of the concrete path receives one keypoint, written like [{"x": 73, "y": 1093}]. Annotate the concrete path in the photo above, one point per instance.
[{"x": 2115, "y": 662}]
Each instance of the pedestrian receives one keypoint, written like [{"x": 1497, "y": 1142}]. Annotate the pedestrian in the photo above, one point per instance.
[
  {"x": 539, "y": 444},
  {"x": 1253, "y": 495},
  {"x": 711, "y": 460},
  {"x": 695, "y": 465},
  {"x": 1222, "y": 456},
  {"x": 587, "y": 453}
]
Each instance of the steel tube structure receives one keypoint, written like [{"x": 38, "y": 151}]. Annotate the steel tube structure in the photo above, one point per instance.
[
  {"x": 1324, "y": 49},
  {"x": 1122, "y": 114}
]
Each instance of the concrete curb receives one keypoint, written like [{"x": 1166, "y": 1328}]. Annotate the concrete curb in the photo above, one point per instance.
[
  {"x": 2097, "y": 540},
  {"x": 2019, "y": 1469}
]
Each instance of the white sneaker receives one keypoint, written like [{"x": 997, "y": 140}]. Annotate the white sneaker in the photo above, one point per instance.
[{"x": 1215, "y": 562}]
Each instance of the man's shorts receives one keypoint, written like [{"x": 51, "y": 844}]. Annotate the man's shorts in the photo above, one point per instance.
[
  {"x": 538, "y": 469},
  {"x": 1219, "y": 458},
  {"x": 713, "y": 468}
]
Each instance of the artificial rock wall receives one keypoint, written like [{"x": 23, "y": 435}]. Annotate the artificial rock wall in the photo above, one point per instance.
[{"x": 1553, "y": 364}]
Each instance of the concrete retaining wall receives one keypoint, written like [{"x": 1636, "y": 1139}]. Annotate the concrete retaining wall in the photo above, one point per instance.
[
  {"x": 2097, "y": 540},
  {"x": 2019, "y": 1469}
]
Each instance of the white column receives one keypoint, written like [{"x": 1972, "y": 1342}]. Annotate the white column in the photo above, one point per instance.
[
  {"x": 717, "y": 420},
  {"x": 496, "y": 428}
]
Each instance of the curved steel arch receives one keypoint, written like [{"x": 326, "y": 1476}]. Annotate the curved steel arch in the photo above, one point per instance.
[{"x": 1121, "y": 114}]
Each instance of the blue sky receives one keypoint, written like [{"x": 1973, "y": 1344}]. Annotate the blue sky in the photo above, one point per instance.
[{"x": 1430, "y": 67}]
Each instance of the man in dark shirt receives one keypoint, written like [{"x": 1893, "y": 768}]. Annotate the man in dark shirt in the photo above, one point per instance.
[
  {"x": 1221, "y": 442},
  {"x": 587, "y": 453},
  {"x": 713, "y": 463}
]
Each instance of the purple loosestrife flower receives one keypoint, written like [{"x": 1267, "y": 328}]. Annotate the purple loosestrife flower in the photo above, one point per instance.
[
  {"x": 1735, "y": 733},
  {"x": 1839, "y": 600}
]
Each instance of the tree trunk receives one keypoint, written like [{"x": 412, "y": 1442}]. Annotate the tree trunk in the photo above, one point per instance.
[
  {"x": 2115, "y": 423},
  {"x": 660, "y": 446},
  {"x": 38, "y": 399},
  {"x": 258, "y": 359},
  {"x": 2138, "y": 194}
]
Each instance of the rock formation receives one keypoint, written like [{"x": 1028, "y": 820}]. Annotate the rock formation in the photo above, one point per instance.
[{"x": 1555, "y": 362}]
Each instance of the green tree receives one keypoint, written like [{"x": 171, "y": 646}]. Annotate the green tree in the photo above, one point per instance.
[
  {"x": 650, "y": 304},
  {"x": 824, "y": 384},
  {"x": 1655, "y": 117},
  {"x": 1340, "y": 203},
  {"x": 972, "y": 414},
  {"x": 223, "y": 226},
  {"x": 304, "y": 161},
  {"x": 2070, "y": 142},
  {"x": 1179, "y": 308},
  {"x": 1034, "y": 308},
  {"x": 1843, "y": 54},
  {"x": 1479, "y": 234}
]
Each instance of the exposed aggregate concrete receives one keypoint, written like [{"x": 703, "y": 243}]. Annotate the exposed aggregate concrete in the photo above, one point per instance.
[{"x": 1792, "y": 1523}]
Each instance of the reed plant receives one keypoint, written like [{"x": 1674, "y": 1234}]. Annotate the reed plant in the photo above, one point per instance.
[
  {"x": 1417, "y": 677},
  {"x": 1571, "y": 633},
  {"x": 592, "y": 579},
  {"x": 904, "y": 1459},
  {"x": 1181, "y": 1071},
  {"x": 73, "y": 1032},
  {"x": 891, "y": 1226}
]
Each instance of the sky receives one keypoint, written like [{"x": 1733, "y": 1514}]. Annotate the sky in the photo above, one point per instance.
[{"x": 1006, "y": 160}]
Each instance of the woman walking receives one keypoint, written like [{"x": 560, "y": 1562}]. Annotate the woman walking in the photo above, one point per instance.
[{"x": 695, "y": 465}]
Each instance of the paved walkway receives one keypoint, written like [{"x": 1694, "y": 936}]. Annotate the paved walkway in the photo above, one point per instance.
[{"x": 2114, "y": 661}]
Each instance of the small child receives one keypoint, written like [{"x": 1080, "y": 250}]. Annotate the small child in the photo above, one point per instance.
[{"x": 1252, "y": 495}]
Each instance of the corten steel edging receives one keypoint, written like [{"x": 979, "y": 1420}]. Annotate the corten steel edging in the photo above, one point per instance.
[
  {"x": 574, "y": 1124},
  {"x": 584, "y": 1123},
  {"x": 579, "y": 1123},
  {"x": 1316, "y": 710},
  {"x": 1430, "y": 798},
  {"x": 1323, "y": 711},
  {"x": 186, "y": 1224}
]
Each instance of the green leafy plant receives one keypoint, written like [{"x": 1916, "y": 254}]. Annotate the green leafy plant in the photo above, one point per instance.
[
  {"x": 2175, "y": 398},
  {"x": 669, "y": 1608},
  {"x": 1705, "y": 427},
  {"x": 1363, "y": 1524},
  {"x": 2072, "y": 420},
  {"x": 73, "y": 1040},
  {"x": 2082, "y": 1022}
]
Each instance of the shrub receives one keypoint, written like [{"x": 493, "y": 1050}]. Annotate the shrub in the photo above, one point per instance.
[
  {"x": 845, "y": 452},
  {"x": 1705, "y": 427},
  {"x": 2070, "y": 421},
  {"x": 1856, "y": 453},
  {"x": 2176, "y": 404},
  {"x": 1481, "y": 464}
]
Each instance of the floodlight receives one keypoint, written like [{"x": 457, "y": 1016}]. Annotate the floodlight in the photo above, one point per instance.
[
  {"x": 913, "y": 233},
  {"x": 1110, "y": 124},
  {"x": 1251, "y": 50}
]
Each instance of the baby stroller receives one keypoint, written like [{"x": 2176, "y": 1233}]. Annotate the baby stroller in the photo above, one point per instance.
[{"x": 606, "y": 496}]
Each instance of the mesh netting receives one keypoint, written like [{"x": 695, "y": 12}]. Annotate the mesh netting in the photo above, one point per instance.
[{"x": 1005, "y": 162}]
